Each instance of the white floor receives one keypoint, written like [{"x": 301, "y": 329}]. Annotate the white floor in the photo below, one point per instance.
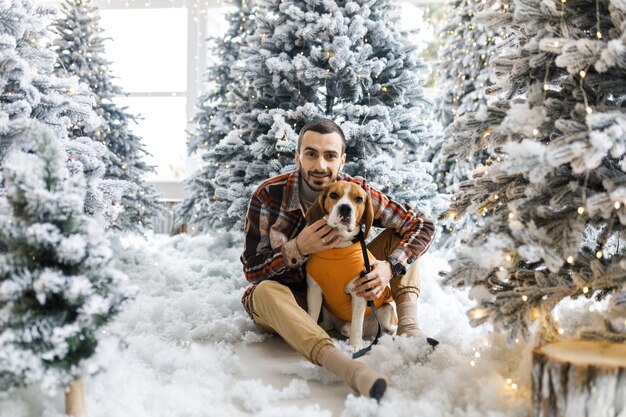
[{"x": 275, "y": 363}]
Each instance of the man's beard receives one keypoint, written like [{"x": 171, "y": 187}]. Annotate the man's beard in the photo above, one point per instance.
[{"x": 318, "y": 183}]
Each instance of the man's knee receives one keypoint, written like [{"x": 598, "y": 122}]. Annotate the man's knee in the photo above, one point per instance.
[
  {"x": 269, "y": 292},
  {"x": 383, "y": 245},
  {"x": 407, "y": 283}
]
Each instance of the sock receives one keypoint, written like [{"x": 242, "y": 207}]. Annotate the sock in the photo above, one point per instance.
[
  {"x": 406, "y": 306},
  {"x": 358, "y": 376}
]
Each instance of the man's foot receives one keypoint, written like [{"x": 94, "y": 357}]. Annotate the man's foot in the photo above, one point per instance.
[
  {"x": 409, "y": 328},
  {"x": 362, "y": 379}
]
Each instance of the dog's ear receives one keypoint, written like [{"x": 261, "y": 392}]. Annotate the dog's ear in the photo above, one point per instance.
[
  {"x": 368, "y": 215},
  {"x": 316, "y": 211}
]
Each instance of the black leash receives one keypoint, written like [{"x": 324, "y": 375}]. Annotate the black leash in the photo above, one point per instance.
[
  {"x": 370, "y": 303},
  {"x": 361, "y": 237}
]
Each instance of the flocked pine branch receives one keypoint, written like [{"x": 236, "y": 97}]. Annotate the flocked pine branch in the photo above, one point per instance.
[{"x": 553, "y": 195}]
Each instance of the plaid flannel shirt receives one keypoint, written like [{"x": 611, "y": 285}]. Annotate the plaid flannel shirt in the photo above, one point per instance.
[{"x": 275, "y": 218}]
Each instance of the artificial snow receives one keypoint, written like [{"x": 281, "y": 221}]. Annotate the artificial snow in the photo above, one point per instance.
[{"x": 185, "y": 347}]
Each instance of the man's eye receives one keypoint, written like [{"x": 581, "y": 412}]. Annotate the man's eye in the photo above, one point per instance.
[
  {"x": 311, "y": 154},
  {"x": 334, "y": 196},
  {"x": 358, "y": 200}
]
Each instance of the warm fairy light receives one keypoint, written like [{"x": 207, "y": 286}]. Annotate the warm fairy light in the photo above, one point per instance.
[
  {"x": 534, "y": 314},
  {"x": 477, "y": 313},
  {"x": 511, "y": 215},
  {"x": 477, "y": 355},
  {"x": 599, "y": 35},
  {"x": 589, "y": 110},
  {"x": 617, "y": 205},
  {"x": 546, "y": 87},
  {"x": 582, "y": 73},
  {"x": 570, "y": 259},
  {"x": 508, "y": 258},
  {"x": 509, "y": 381},
  {"x": 561, "y": 331},
  {"x": 514, "y": 386},
  {"x": 581, "y": 210},
  {"x": 585, "y": 290},
  {"x": 599, "y": 254},
  {"x": 472, "y": 363},
  {"x": 524, "y": 298},
  {"x": 385, "y": 89},
  {"x": 535, "y": 132},
  {"x": 592, "y": 309}
]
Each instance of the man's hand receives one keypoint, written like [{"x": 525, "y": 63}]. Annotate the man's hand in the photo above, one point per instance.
[
  {"x": 315, "y": 238},
  {"x": 372, "y": 285}
]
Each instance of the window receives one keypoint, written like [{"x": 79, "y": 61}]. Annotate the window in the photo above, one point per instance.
[{"x": 158, "y": 52}]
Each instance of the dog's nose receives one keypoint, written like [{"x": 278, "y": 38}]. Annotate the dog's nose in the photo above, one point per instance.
[{"x": 344, "y": 210}]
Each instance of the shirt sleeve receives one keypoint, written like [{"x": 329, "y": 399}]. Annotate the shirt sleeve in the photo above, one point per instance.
[
  {"x": 417, "y": 230},
  {"x": 260, "y": 260}
]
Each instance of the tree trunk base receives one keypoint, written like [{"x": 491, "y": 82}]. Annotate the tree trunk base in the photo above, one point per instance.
[
  {"x": 579, "y": 379},
  {"x": 75, "y": 399}
]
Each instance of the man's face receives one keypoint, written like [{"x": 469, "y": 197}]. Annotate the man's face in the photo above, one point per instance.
[{"x": 320, "y": 158}]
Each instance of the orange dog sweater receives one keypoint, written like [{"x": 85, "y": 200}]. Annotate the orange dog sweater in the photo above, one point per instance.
[{"x": 333, "y": 269}]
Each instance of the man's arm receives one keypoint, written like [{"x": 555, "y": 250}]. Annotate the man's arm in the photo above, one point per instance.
[
  {"x": 416, "y": 229},
  {"x": 260, "y": 260}
]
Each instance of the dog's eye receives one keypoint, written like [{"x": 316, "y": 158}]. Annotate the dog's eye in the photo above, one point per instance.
[
  {"x": 358, "y": 200},
  {"x": 334, "y": 195}
]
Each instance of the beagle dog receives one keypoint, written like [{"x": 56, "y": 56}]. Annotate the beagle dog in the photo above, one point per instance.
[{"x": 331, "y": 273}]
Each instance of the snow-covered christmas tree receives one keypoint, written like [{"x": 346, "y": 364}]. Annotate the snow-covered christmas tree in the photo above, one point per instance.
[
  {"x": 29, "y": 90},
  {"x": 553, "y": 192},
  {"x": 215, "y": 118},
  {"x": 463, "y": 76},
  {"x": 81, "y": 52},
  {"x": 343, "y": 60},
  {"x": 57, "y": 283}
]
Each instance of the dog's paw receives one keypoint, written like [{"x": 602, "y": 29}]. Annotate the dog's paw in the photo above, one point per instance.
[
  {"x": 356, "y": 344},
  {"x": 356, "y": 348}
]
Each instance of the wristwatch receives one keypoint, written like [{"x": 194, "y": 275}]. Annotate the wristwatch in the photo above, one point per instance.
[{"x": 397, "y": 268}]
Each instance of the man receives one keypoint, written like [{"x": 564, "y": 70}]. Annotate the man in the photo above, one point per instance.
[{"x": 277, "y": 245}]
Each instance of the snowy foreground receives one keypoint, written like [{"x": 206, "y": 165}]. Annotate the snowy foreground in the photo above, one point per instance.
[{"x": 189, "y": 350}]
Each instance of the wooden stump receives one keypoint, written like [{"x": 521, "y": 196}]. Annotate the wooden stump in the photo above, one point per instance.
[
  {"x": 579, "y": 379},
  {"x": 75, "y": 399}
]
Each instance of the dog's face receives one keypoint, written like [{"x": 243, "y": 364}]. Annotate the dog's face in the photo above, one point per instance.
[{"x": 346, "y": 206}]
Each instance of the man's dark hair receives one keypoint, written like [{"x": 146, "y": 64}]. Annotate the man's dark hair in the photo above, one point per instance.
[{"x": 322, "y": 126}]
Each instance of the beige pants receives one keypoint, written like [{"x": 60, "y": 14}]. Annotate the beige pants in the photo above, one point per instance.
[{"x": 277, "y": 309}]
